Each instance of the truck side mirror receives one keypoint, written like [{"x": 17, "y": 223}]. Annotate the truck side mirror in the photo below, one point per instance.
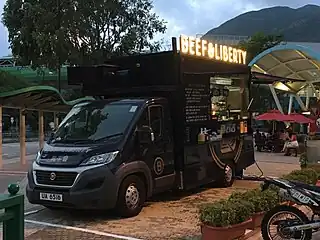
[{"x": 145, "y": 135}]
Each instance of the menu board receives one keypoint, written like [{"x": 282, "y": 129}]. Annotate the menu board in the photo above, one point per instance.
[{"x": 197, "y": 98}]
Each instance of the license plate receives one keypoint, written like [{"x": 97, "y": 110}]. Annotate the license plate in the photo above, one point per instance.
[{"x": 51, "y": 197}]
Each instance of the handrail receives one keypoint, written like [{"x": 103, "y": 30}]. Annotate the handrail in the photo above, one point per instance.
[{"x": 13, "y": 216}]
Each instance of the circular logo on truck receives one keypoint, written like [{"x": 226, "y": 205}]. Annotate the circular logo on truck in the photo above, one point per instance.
[
  {"x": 158, "y": 165},
  {"x": 318, "y": 122},
  {"x": 53, "y": 176}
]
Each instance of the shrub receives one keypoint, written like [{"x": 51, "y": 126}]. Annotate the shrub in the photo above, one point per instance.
[
  {"x": 240, "y": 206},
  {"x": 261, "y": 201},
  {"x": 303, "y": 160},
  {"x": 316, "y": 167},
  {"x": 226, "y": 212},
  {"x": 307, "y": 175}
]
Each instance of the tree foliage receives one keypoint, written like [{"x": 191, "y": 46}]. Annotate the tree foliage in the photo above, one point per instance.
[
  {"x": 48, "y": 33},
  {"x": 259, "y": 43},
  {"x": 263, "y": 99}
]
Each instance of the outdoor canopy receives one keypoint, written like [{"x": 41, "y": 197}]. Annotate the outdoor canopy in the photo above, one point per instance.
[
  {"x": 299, "y": 118},
  {"x": 274, "y": 115}
]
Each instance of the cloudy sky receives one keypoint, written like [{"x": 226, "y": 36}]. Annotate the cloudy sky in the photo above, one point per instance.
[{"x": 192, "y": 17}]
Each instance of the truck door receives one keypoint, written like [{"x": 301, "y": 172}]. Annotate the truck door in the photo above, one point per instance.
[{"x": 160, "y": 154}]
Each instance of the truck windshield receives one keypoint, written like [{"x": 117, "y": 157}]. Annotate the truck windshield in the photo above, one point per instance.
[{"x": 92, "y": 122}]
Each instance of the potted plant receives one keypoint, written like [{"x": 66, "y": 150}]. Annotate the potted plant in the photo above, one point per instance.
[
  {"x": 226, "y": 219},
  {"x": 261, "y": 201}
]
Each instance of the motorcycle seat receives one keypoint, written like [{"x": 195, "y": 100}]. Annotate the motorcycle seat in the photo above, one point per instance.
[{"x": 307, "y": 186}]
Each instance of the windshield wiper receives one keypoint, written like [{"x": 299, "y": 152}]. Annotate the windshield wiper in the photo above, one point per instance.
[
  {"x": 107, "y": 137},
  {"x": 70, "y": 140}
]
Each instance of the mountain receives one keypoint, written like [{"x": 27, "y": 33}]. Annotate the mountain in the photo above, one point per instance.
[{"x": 296, "y": 25}]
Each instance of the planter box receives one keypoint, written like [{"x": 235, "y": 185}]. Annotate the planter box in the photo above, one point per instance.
[
  {"x": 225, "y": 233},
  {"x": 256, "y": 220},
  {"x": 289, "y": 203}
]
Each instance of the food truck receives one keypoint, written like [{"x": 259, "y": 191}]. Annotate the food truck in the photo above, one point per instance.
[{"x": 159, "y": 122}]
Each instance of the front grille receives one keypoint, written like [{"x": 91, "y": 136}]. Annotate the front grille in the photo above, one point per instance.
[{"x": 65, "y": 179}]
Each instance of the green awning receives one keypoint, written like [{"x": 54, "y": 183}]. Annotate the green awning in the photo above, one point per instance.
[{"x": 44, "y": 98}]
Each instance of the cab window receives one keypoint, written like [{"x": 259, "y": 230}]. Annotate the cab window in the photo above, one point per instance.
[{"x": 155, "y": 120}]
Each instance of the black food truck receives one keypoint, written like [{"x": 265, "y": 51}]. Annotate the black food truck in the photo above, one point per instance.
[{"x": 161, "y": 121}]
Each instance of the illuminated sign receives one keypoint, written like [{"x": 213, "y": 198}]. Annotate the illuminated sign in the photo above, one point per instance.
[{"x": 203, "y": 48}]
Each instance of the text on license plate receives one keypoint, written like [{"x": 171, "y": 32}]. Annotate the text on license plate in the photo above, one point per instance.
[{"x": 51, "y": 197}]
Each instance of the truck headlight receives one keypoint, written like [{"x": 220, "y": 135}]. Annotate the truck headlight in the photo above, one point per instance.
[
  {"x": 38, "y": 156},
  {"x": 100, "y": 159}
]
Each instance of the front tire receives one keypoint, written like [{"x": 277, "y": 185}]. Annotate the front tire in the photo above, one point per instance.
[
  {"x": 131, "y": 197},
  {"x": 265, "y": 225}
]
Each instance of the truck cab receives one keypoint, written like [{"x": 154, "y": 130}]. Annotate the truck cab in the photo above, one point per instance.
[{"x": 103, "y": 151}]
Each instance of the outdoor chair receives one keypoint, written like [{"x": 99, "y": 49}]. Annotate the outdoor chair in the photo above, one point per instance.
[{"x": 292, "y": 150}]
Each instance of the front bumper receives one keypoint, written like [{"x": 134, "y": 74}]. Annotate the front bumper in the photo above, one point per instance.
[{"x": 95, "y": 187}]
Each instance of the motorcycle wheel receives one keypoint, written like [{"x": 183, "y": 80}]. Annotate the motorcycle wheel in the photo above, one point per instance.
[{"x": 283, "y": 209}]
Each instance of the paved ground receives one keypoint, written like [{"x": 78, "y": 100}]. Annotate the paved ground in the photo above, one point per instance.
[
  {"x": 275, "y": 165},
  {"x": 6, "y": 179},
  {"x": 165, "y": 217},
  {"x": 12, "y": 150},
  {"x": 150, "y": 217},
  {"x": 65, "y": 234}
]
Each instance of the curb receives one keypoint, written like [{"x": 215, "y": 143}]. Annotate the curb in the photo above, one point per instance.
[
  {"x": 17, "y": 141},
  {"x": 13, "y": 172}
]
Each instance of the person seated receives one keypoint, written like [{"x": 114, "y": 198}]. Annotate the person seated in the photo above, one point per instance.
[{"x": 291, "y": 143}]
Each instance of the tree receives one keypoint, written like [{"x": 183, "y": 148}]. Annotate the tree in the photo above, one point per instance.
[
  {"x": 48, "y": 33},
  {"x": 259, "y": 43},
  {"x": 263, "y": 99}
]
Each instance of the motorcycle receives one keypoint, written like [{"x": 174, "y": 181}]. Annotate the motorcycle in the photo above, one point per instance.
[{"x": 296, "y": 224}]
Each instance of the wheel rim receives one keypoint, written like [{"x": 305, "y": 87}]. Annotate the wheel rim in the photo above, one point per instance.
[
  {"x": 132, "y": 197},
  {"x": 280, "y": 234},
  {"x": 228, "y": 173}
]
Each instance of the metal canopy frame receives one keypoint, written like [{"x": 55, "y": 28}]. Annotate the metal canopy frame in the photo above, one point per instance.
[
  {"x": 262, "y": 78},
  {"x": 293, "y": 67},
  {"x": 44, "y": 98}
]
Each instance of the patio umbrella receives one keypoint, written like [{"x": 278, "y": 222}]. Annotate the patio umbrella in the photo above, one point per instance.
[
  {"x": 299, "y": 118},
  {"x": 274, "y": 115}
]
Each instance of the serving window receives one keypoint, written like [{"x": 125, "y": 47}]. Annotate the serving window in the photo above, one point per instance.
[{"x": 229, "y": 96}]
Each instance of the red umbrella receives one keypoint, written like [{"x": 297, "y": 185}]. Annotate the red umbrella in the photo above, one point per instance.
[
  {"x": 299, "y": 118},
  {"x": 274, "y": 115}
]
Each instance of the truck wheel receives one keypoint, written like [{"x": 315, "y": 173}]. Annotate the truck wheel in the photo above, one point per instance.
[
  {"x": 131, "y": 197},
  {"x": 228, "y": 177}
]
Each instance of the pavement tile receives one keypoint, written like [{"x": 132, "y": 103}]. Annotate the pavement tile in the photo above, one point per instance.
[
  {"x": 64, "y": 234},
  {"x": 16, "y": 166}
]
